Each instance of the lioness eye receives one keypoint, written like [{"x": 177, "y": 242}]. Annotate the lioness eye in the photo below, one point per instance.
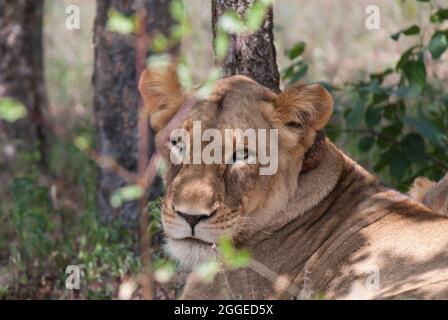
[
  {"x": 177, "y": 148},
  {"x": 293, "y": 125},
  {"x": 240, "y": 155}
]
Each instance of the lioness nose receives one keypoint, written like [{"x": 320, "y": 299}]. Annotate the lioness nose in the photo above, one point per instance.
[
  {"x": 192, "y": 220},
  {"x": 193, "y": 217}
]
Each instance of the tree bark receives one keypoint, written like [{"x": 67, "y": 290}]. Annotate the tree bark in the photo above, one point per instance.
[
  {"x": 253, "y": 54},
  {"x": 22, "y": 69},
  {"x": 117, "y": 101}
]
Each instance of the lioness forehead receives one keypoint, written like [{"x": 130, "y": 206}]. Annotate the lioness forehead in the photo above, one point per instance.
[
  {"x": 241, "y": 88},
  {"x": 234, "y": 103}
]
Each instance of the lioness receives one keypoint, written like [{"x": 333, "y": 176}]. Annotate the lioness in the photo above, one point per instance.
[
  {"x": 432, "y": 194},
  {"x": 321, "y": 221}
]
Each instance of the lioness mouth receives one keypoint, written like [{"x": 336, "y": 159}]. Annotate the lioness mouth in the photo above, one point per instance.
[{"x": 195, "y": 241}]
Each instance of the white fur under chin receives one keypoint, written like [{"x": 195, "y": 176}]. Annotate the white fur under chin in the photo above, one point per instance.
[{"x": 189, "y": 255}]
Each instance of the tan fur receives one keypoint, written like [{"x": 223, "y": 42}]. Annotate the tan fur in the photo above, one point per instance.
[
  {"x": 332, "y": 231},
  {"x": 431, "y": 194},
  {"x": 420, "y": 188},
  {"x": 306, "y": 105},
  {"x": 162, "y": 94}
]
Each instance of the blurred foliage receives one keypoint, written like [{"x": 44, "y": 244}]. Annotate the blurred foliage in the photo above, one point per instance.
[
  {"x": 68, "y": 59},
  {"x": 232, "y": 257},
  {"x": 125, "y": 194},
  {"x": 397, "y": 119},
  {"x": 164, "y": 270},
  {"x": 227, "y": 257},
  {"x": 156, "y": 216},
  {"x": 120, "y": 23},
  {"x": 42, "y": 235},
  {"x": 298, "y": 67},
  {"x": 11, "y": 110},
  {"x": 230, "y": 22}
]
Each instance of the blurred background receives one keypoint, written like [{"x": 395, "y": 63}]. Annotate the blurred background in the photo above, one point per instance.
[{"x": 390, "y": 117}]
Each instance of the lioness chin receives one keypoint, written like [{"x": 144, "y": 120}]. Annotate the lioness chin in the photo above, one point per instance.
[{"x": 321, "y": 224}]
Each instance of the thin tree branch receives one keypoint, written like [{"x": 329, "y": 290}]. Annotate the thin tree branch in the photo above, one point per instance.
[
  {"x": 110, "y": 164},
  {"x": 143, "y": 151}
]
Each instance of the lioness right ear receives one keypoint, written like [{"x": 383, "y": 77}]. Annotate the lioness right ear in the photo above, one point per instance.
[
  {"x": 162, "y": 94},
  {"x": 303, "y": 106}
]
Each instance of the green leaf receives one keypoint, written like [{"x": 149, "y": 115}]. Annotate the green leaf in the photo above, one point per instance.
[
  {"x": 433, "y": 134},
  {"x": 366, "y": 143},
  {"x": 384, "y": 161},
  {"x": 438, "y": 44},
  {"x": 288, "y": 72},
  {"x": 382, "y": 142},
  {"x": 414, "y": 146},
  {"x": 255, "y": 15},
  {"x": 208, "y": 270},
  {"x": 355, "y": 116},
  {"x": 439, "y": 16},
  {"x": 11, "y": 110},
  {"x": 159, "y": 42},
  {"x": 164, "y": 270},
  {"x": 82, "y": 143},
  {"x": 240, "y": 260},
  {"x": 380, "y": 96},
  {"x": 177, "y": 10},
  {"x": 128, "y": 193},
  {"x": 372, "y": 117},
  {"x": 184, "y": 75},
  {"x": 415, "y": 72},
  {"x": 381, "y": 75},
  {"x": 407, "y": 91},
  {"x": 230, "y": 22},
  {"x": 299, "y": 74},
  {"x": 207, "y": 88},
  {"x": 405, "y": 57},
  {"x": 391, "y": 131},
  {"x": 120, "y": 23},
  {"x": 221, "y": 45},
  {"x": 159, "y": 60},
  {"x": 398, "y": 165},
  {"x": 180, "y": 31},
  {"x": 372, "y": 86},
  {"x": 296, "y": 51},
  {"x": 232, "y": 257},
  {"x": 131, "y": 192},
  {"x": 408, "y": 32}
]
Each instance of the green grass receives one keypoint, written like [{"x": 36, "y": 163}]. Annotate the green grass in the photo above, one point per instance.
[{"x": 41, "y": 236}]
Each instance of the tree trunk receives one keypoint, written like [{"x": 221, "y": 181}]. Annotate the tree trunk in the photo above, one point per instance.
[
  {"x": 116, "y": 100},
  {"x": 253, "y": 54},
  {"x": 22, "y": 69}
]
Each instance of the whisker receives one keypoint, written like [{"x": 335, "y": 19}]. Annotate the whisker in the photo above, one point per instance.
[{"x": 249, "y": 221}]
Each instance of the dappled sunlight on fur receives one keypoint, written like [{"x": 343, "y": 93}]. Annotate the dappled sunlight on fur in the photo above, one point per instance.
[{"x": 321, "y": 221}]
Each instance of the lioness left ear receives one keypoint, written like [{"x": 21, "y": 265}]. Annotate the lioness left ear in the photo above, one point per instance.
[
  {"x": 162, "y": 94},
  {"x": 304, "y": 107}
]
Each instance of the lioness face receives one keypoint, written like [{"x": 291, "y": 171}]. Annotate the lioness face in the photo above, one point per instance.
[{"x": 205, "y": 201}]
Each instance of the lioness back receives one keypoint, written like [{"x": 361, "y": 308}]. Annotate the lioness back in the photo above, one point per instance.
[{"x": 381, "y": 245}]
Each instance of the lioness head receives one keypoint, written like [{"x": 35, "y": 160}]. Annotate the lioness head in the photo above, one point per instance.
[{"x": 204, "y": 202}]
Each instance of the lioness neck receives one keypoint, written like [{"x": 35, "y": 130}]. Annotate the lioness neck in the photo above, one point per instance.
[
  {"x": 322, "y": 208},
  {"x": 313, "y": 186}
]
